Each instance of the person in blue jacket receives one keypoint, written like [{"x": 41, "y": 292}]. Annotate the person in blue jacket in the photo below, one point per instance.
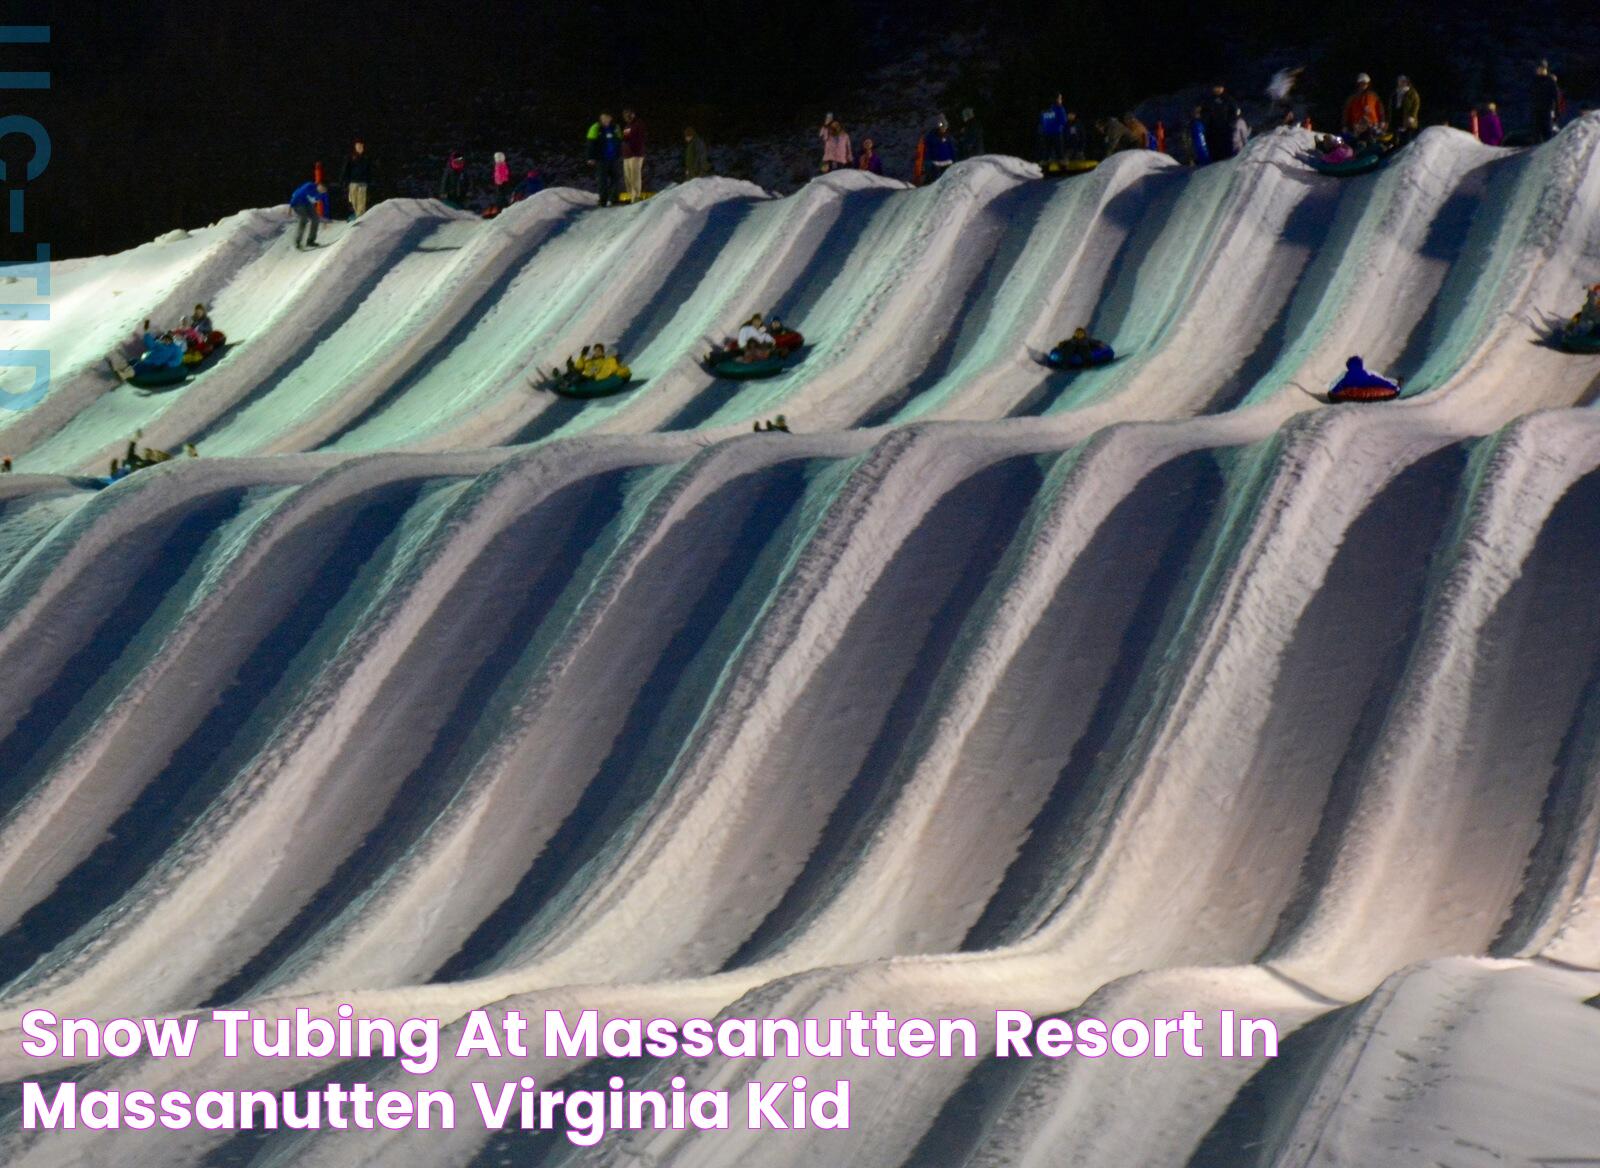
[
  {"x": 1052, "y": 132},
  {"x": 605, "y": 155},
  {"x": 531, "y": 184},
  {"x": 161, "y": 351},
  {"x": 1197, "y": 137},
  {"x": 938, "y": 151},
  {"x": 306, "y": 205}
]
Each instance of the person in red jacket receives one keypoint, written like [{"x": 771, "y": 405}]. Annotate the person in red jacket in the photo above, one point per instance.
[
  {"x": 633, "y": 155},
  {"x": 1363, "y": 112}
]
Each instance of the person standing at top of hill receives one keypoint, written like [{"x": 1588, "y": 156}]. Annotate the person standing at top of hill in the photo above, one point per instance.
[
  {"x": 1221, "y": 111},
  {"x": 696, "y": 158},
  {"x": 633, "y": 155},
  {"x": 1053, "y": 132},
  {"x": 869, "y": 158},
  {"x": 969, "y": 140},
  {"x": 1407, "y": 111},
  {"x": 357, "y": 178},
  {"x": 1546, "y": 102},
  {"x": 605, "y": 155},
  {"x": 502, "y": 180},
  {"x": 1199, "y": 152},
  {"x": 453, "y": 182},
  {"x": 1490, "y": 131},
  {"x": 835, "y": 145},
  {"x": 1363, "y": 112},
  {"x": 938, "y": 150}
]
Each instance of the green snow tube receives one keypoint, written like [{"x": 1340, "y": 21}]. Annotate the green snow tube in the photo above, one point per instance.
[
  {"x": 1586, "y": 342},
  {"x": 749, "y": 371},
  {"x": 584, "y": 389},
  {"x": 1360, "y": 164}
]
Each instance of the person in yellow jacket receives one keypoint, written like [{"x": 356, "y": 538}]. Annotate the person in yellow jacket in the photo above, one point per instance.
[{"x": 605, "y": 365}]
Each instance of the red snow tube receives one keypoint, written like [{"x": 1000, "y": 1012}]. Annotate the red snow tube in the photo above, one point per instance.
[
  {"x": 787, "y": 342},
  {"x": 1365, "y": 393}
]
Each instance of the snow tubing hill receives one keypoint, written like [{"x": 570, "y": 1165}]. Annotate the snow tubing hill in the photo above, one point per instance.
[{"x": 424, "y": 692}]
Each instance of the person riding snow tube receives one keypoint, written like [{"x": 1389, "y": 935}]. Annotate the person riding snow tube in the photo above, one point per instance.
[
  {"x": 784, "y": 340},
  {"x": 1582, "y": 333},
  {"x": 1080, "y": 351},
  {"x": 1361, "y": 385}
]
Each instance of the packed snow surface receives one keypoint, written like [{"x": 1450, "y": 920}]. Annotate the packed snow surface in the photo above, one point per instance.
[{"x": 1157, "y": 687}]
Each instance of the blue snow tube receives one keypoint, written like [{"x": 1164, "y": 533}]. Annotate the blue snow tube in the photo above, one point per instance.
[{"x": 1099, "y": 354}]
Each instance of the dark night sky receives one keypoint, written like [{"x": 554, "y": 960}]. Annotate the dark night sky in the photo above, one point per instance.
[{"x": 168, "y": 113}]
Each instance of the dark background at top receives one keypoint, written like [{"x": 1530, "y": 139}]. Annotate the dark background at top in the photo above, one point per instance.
[{"x": 167, "y": 114}]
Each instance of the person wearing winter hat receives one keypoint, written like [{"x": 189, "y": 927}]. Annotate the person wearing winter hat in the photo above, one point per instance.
[
  {"x": 453, "y": 182},
  {"x": 502, "y": 179},
  {"x": 938, "y": 150},
  {"x": 869, "y": 159},
  {"x": 1363, "y": 112}
]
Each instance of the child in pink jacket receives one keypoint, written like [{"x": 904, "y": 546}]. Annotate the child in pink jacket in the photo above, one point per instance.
[{"x": 835, "y": 145}]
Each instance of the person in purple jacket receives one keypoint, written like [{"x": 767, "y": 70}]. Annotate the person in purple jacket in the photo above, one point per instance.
[
  {"x": 869, "y": 158},
  {"x": 1490, "y": 131}
]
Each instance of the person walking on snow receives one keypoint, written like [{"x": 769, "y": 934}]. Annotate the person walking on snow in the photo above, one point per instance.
[
  {"x": 696, "y": 159},
  {"x": 357, "y": 178},
  {"x": 1363, "y": 112},
  {"x": 303, "y": 203},
  {"x": 1546, "y": 102},
  {"x": 605, "y": 155},
  {"x": 1407, "y": 111},
  {"x": 633, "y": 155},
  {"x": 835, "y": 145}
]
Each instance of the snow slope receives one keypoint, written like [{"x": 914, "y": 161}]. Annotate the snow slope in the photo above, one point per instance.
[{"x": 1158, "y": 689}]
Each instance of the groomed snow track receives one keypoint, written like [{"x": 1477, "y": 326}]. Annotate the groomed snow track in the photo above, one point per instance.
[{"x": 1163, "y": 688}]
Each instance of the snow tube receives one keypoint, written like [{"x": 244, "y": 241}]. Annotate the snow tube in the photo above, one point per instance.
[
  {"x": 1360, "y": 164},
  {"x": 153, "y": 378},
  {"x": 1364, "y": 393},
  {"x": 1099, "y": 355},
  {"x": 1065, "y": 169},
  {"x": 1574, "y": 342},
  {"x": 749, "y": 370},
  {"x": 176, "y": 375},
  {"x": 584, "y": 388}
]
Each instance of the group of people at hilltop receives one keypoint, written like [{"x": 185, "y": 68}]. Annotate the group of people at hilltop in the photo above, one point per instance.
[{"x": 615, "y": 150}]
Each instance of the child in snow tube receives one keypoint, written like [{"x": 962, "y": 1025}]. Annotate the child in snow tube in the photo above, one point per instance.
[
  {"x": 1361, "y": 385},
  {"x": 784, "y": 340},
  {"x": 1080, "y": 350}
]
